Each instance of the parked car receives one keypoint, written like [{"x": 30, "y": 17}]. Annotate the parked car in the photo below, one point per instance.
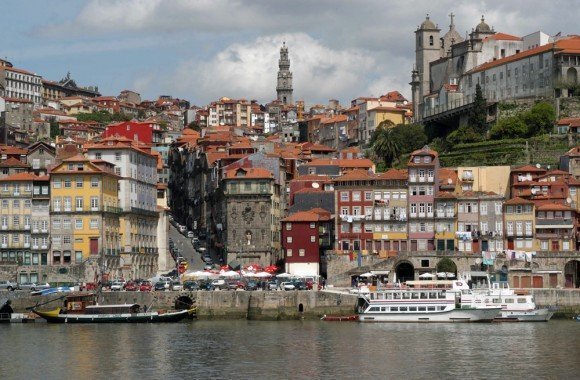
[
  {"x": 117, "y": 285},
  {"x": 32, "y": 286},
  {"x": 252, "y": 285},
  {"x": 206, "y": 286},
  {"x": 176, "y": 285},
  {"x": 236, "y": 284},
  {"x": 131, "y": 286},
  {"x": 195, "y": 241},
  {"x": 182, "y": 229},
  {"x": 190, "y": 285},
  {"x": 299, "y": 285},
  {"x": 163, "y": 285},
  {"x": 189, "y": 234},
  {"x": 7, "y": 285},
  {"x": 272, "y": 285},
  {"x": 145, "y": 286},
  {"x": 220, "y": 284},
  {"x": 287, "y": 285},
  {"x": 208, "y": 267}
]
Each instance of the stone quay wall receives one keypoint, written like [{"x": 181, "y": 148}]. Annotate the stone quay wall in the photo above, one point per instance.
[{"x": 258, "y": 305}]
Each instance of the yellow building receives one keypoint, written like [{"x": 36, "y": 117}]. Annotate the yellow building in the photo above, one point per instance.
[
  {"x": 519, "y": 224},
  {"x": 85, "y": 213},
  {"x": 377, "y": 115},
  {"x": 485, "y": 179}
]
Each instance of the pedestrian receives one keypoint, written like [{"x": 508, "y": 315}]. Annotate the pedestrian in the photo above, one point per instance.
[{"x": 323, "y": 283}]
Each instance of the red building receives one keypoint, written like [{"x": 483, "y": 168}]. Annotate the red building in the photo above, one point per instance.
[
  {"x": 143, "y": 131},
  {"x": 305, "y": 237}
]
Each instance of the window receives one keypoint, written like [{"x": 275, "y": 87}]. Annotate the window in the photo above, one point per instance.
[
  {"x": 66, "y": 223},
  {"x": 27, "y": 203},
  {"x": 78, "y": 224},
  {"x": 56, "y": 224},
  {"x": 313, "y": 239},
  {"x": 94, "y": 224},
  {"x": 483, "y": 209},
  {"x": 288, "y": 226},
  {"x": 56, "y": 203},
  {"x": 67, "y": 183},
  {"x": 288, "y": 253},
  {"x": 301, "y": 252},
  {"x": 16, "y": 203},
  {"x": 117, "y": 156},
  {"x": 312, "y": 225},
  {"x": 4, "y": 203},
  {"x": 356, "y": 196},
  {"x": 344, "y": 196},
  {"x": 289, "y": 239},
  {"x": 94, "y": 182},
  {"x": 344, "y": 227},
  {"x": 66, "y": 239},
  {"x": 78, "y": 256},
  {"x": 498, "y": 208},
  {"x": 16, "y": 220},
  {"x": 79, "y": 203},
  {"x": 344, "y": 210},
  {"x": 56, "y": 183},
  {"x": 430, "y": 40},
  {"x": 368, "y": 196},
  {"x": 94, "y": 203}
]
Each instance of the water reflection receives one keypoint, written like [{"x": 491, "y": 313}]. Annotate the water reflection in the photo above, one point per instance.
[{"x": 296, "y": 350}]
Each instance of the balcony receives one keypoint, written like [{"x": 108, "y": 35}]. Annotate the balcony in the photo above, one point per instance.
[
  {"x": 114, "y": 210},
  {"x": 143, "y": 211}
]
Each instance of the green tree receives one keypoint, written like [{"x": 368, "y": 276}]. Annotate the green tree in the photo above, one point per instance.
[
  {"x": 383, "y": 144},
  {"x": 540, "y": 119},
  {"x": 409, "y": 137},
  {"x": 446, "y": 265},
  {"x": 508, "y": 128},
  {"x": 194, "y": 125},
  {"x": 54, "y": 130},
  {"x": 478, "y": 114}
]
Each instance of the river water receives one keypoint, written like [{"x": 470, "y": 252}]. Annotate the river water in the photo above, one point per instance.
[{"x": 291, "y": 350}]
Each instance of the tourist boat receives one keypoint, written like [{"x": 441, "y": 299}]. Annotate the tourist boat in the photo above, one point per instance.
[
  {"x": 82, "y": 308},
  {"x": 516, "y": 306},
  {"x": 424, "y": 301}
]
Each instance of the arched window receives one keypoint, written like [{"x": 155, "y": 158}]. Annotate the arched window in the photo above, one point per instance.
[{"x": 430, "y": 40}]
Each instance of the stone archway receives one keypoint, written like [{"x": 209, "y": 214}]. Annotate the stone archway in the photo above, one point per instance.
[
  {"x": 572, "y": 274},
  {"x": 183, "y": 303},
  {"x": 405, "y": 271},
  {"x": 446, "y": 265}
]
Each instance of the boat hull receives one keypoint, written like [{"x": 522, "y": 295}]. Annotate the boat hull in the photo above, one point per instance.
[
  {"x": 54, "y": 316},
  {"x": 538, "y": 315},
  {"x": 451, "y": 316}
]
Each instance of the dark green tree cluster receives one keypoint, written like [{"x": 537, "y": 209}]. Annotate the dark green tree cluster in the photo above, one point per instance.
[
  {"x": 476, "y": 128},
  {"x": 389, "y": 142},
  {"x": 537, "y": 121}
]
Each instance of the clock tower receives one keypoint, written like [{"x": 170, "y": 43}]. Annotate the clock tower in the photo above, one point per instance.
[{"x": 284, "y": 87}]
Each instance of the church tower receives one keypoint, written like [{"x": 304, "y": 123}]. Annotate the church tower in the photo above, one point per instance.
[
  {"x": 284, "y": 86},
  {"x": 427, "y": 50}
]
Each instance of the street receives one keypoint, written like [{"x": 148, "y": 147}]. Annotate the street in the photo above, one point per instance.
[{"x": 183, "y": 244}]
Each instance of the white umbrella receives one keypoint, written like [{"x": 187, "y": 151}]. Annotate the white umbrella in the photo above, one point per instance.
[
  {"x": 262, "y": 274},
  {"x": 449, "y": 275},
  {"x": 441, "y": 274},
  {"x": 426, "y": 275},
  {"x": 368, "y": 274},
  {"x": 201, "y": 274},
  {"x": 230, "y": 273},
  {"x": 283, "y": 275}
]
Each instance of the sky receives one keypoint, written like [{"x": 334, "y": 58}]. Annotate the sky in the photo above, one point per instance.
[{"x": 201, "y": 50}]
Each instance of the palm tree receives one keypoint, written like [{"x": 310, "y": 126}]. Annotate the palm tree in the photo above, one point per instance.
[{"x": 383, "y": 143}]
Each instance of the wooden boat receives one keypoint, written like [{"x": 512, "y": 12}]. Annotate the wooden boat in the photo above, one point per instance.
[
  {"x": 83, "y": 309},
  {"x": 340, "y": 318}
]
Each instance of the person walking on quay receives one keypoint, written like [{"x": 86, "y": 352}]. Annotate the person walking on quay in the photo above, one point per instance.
[{"x": 323, "y": 283}]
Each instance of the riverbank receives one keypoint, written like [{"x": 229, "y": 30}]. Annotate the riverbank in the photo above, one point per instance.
[{"x": 270, "y": 305}]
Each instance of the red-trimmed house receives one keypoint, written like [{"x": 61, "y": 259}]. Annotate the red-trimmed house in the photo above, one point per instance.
[
  {"x": 143, "y": 131},
  {"x": 306, "y": 235}
]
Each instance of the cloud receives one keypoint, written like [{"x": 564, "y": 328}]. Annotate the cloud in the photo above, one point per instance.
[{"x": 250, "y": 69}]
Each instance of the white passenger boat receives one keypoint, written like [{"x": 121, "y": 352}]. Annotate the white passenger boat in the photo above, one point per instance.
[
  {"x": 516, "y": 306},
  {"x": 424, "y": 301}
]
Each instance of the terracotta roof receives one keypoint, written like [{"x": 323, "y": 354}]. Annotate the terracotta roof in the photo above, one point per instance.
[
  {"x": 354, "y": 175},
  {"x": 313, "y": 215},
  {"x": 249, "y": 173},
  {"x": 20, "y": 177},
  {"x": 542, "y": 206},
  {"x": 571, "y": 43},
  {"x": 8, "y": 149},
  {"x": 312, "y": 177},
  {"x": 12, "y": 162},
  {"x": 309, "y": 190},
  {"x": 393, "y": 174},
  {"x": 447, "y": 177},
  {"x": 574, "y": 151},
  {"x": 17, "y": 100},
  {"x": 393, "y": 96},
  {"x": 343, "y": 163},
  {"x": 570, "y": 121},
  {"x": 528, "y": 168},
  {"x": 444, "y": 194},
  {"x": 518, "y": 201},
  {"x": 503, "y": 37}
]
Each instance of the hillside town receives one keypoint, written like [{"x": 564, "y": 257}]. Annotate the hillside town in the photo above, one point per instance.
[{"x": 89, "y": 182}]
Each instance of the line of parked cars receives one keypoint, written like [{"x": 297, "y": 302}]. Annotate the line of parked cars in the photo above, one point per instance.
[{"x": 32, "y": 286}]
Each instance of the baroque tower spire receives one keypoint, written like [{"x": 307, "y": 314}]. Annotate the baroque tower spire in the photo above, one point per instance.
[{"x": 284, "y": 87}]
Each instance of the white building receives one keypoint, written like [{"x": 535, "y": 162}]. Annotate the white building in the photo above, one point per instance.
[{"x": 21, "y": 84}]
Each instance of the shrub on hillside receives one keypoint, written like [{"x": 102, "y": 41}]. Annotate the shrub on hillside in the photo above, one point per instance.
[{"x": 508, "y": 128}]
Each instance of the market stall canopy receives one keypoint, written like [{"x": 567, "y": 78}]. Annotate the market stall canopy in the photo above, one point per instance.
[{"x": 426, "y": 275}]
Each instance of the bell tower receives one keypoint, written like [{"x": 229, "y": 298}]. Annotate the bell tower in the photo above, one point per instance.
[
  {"x": 284, "y": 86},
  {"x": 427, "y": 50}
]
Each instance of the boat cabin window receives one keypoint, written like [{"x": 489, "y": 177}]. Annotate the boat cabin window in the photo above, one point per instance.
[
  {"x": 430, "y": 308},
  {"x": 415, "y": 296},
  {"x": 496, "y": 300},
  {"x": 406, "y": 296},
  {"x": 394, "y": 309},
  {"x": 412, "y": 308},
  {"x": 432, "y": 295},
  {"x": 383, "y": 308},
  {"x": 441, "y": 295},
  {"x": 381, "y": 296},
  {"x": 422, "y": 308},
  {"x": 397, "y": 296},
  {"x": 522, "y": 300},
  {"x": 423, "y": 295},
  {"x": 403, "y": 308},
  {"x": 389, "y": 296},
  {"x": 375, "y": 308},
  {"x": 509, "y": 300},
  {"x": 440, "y": 308}
]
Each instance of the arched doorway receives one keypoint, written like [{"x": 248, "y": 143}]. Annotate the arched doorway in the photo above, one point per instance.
[
  {"x": 446, "y": 265},
  {"x": 405, "y": 271},
  {"x": 183, "y": 302},
  {"x": 572, "y": 274}
]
